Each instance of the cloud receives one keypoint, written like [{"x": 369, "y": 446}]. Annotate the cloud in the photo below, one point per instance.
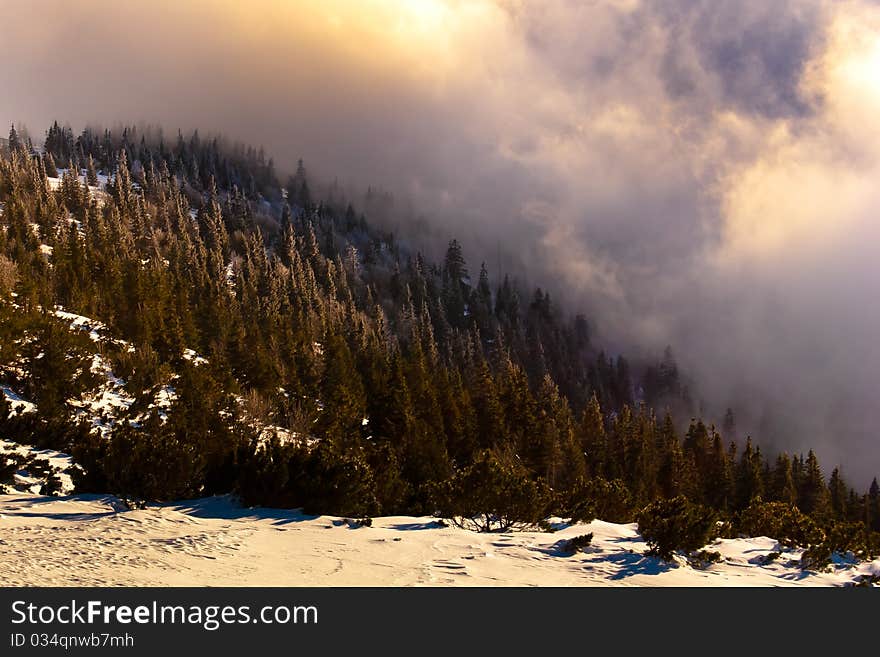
[{"x": 695, "y": 172}]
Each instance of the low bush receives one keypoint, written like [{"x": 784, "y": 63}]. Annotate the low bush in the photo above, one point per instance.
[
  {"x": 492, "y": 494},
  {"x": 780, "y": 521},
  {"x": 608, "y": 500},
  {"x": 577, "y": 543},
  {"x": 704, "y": 558},
  {"x": 675, "y": 524}
]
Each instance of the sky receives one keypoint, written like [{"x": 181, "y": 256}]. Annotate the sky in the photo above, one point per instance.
[{"x": 697, "y": 173}]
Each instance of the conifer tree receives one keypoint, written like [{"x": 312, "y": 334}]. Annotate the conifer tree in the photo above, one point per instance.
[
  {"x": 749, "y": 479},
  {"x": 781, "y": 486},
  {"x": 342, "y": 394},
  {"x": 872, "y": 503},
  {"x": 813, "y": 497},
  {"x": 91, "y": 173},
  {"x": 837, "y": 491},
  {"x": 594, "y": 440},
  {"x": 49, "y": 163}
]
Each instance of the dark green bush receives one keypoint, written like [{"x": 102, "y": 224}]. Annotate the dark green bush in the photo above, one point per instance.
[
  {"x": 153, "y": 465},
  {"x": 675, "y": 524},
  {"x": 493, "y": 494},
  {"x": 843, "y": 537},
  {"x": 321, "y": 479},
  {"x": 52, "y": 485},
  {"x": 597, "y": 498},
  {"x": 704, "y": 558},
  {"x": 577, "y": 543},
  {"x": 779, "y": 521},
  {"x": 339, "y": 483},
  {"x": 816, "y": 557},
  {"x": 839, "y": 538}
]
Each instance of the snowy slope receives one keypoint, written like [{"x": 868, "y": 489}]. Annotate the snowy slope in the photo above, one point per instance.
[
  {"x": 34, "y": 466},
  {"x": 92, "y": 540},
  {"x": 103, "y": 404}
]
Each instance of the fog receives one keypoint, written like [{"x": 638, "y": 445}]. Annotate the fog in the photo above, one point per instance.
[{"x": 691, "y": 172}]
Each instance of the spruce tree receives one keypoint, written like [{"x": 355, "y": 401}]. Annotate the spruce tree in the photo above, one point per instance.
[
  {"x": 813, "y": 497},
  {"x": 781, "y": 486}
]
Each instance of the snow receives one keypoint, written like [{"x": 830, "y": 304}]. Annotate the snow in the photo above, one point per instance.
[
  {"x": 96, "y": 191},
  {"x": 93, "y": 541},
  {"x": 18, "y": 404},
  {"x": 57, "y": 461},
  {"x": 284, "y": 436},
  {"x": 104, "y": 404},
  {"x": 93, "y": 327},
  {"x": 189, "y": 354}
]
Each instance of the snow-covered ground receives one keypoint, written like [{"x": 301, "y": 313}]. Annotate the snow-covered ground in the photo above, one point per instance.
[
  {"x": 17, "y": 404},
  {"x": 97, "y": 191},
  {"x": 94, "y": 540},
  {"x": 36, "y": 466}
]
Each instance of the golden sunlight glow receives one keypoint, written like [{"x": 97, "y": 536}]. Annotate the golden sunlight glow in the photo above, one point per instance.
[
  {"x": 863, "y": 69},
  {"x": 426, "y": 13},
  {"x": 809, "y": 187},
  {"x": 848, "y": 74}
]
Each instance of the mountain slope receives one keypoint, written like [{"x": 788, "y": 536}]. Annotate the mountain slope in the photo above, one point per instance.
[{"x": 184, "y": 325}]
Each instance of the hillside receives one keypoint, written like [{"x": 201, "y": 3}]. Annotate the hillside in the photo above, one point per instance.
[{"x": 184, "y": 324}]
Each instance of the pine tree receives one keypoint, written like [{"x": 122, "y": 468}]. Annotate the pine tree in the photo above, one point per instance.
[
  {"x": 15, "y": 143},
  {"x": 729, "y": 426},
  {"x": 454, "y": 285},
  {"x": 781, "y": 486},
  {"x": 749, "y": 479},
  {"x": 91, "y": 173},
  {"x": 49, "y": 163},
  {"x": 675, "y": 473},
  {"x": 872, "y": 504},
  {"x": 719, "y": 483},
  {"x": 594, "y": 440},
  {"x": 813, "y": 497},
  {"x": 837, "y": 490},
  {"x": 342, "y": 395}
]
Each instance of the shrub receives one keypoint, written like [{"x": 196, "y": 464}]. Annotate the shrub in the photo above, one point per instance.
[
  {"x": 675, "y": 524},
  {"x": 155, "y": 466},
  {"x": 339, "y": 482},
  {"x": 598, "y": 498},
  {"x": 493, "y": 495},
  {"x": 323, "y": 479},
  {"x": 704, "y": 558},
  {"x": 843, "y": 537},
  {"x": 10, "y": 463},
  {"x": 577, "y": 543},
  {"x": 779, "y": 521},
  {"x": 52, "y": 485},
  {"x": 771, "y": 557},
  {"x": 867, "y": 580},
  {"x": 264, "y": 472},
  {"x": 816, "y": 557},
  {"x": 840, "y": 538},
  {"x": 88, "y": 454}
]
